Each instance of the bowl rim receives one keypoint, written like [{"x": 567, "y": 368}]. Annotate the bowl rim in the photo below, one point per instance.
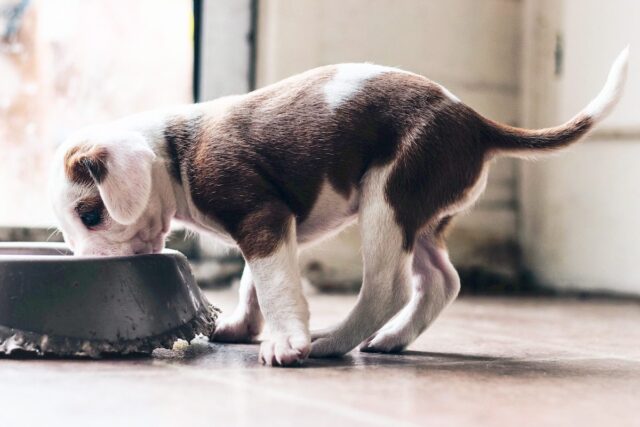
[{"x": 70, "y": 257}]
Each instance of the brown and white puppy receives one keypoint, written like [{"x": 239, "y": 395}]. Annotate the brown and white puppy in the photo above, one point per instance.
[{"x": 287, "y": 165}]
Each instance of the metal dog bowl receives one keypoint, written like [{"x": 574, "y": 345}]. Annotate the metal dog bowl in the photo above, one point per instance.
[{"x": 57, "y": 304}]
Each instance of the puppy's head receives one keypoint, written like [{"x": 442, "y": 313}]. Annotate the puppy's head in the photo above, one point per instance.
[{"x": 101, "y": 192}]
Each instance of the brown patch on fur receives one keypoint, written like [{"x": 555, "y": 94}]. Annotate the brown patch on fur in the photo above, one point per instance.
[
  {"x": 280, "y": 144},
  {"x": 443, "y": 154},
  {"x": 261, "y": 232},
  {"x": 179, "y": 134},
  {"x": 84, "y": 164},
  {"x": 89, "y": 204},
  {"x": 440, "y": 162},
  {"x": 265, "y": 158},
  {"x": 509, "y": 138}
]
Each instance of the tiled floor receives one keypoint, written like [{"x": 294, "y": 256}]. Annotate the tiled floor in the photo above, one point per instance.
[{"x": 490, "y": 362}]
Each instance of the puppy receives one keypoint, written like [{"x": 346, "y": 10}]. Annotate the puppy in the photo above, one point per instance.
[{"x": 282, "y": 167}]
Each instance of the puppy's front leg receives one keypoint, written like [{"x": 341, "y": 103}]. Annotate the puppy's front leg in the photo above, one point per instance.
[{"x": 274, "y": 265}]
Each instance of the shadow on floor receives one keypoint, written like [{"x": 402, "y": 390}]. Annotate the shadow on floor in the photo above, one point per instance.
[{"x": 223, "y": 356}]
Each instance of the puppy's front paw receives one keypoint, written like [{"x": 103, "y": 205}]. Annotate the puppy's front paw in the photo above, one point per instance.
[
  {"x": 284, "y": 350},
  {"x": 236, "y": 330}
]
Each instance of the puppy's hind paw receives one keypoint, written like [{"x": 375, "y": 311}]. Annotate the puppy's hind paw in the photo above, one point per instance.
[
  {"x": 382, "y": 342},
  {"x": 285, "y": 350},
  {"x": 235, "y": 331}
]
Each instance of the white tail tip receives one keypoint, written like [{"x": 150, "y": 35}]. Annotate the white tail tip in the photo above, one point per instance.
[{"x": 602, "y": 105}]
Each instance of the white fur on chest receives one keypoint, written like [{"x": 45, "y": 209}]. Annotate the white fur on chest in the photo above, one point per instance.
[{"x": 330, "y": 214}]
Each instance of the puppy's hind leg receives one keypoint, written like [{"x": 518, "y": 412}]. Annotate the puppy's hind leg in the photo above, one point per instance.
[
  {"x": 435, "y": 284},
  {"x": 387, "y": 271},
  {"x": 245, "y": 323}
]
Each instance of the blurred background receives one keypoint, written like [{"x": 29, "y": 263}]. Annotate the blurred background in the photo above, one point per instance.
[{"x": 568, "y": 224}]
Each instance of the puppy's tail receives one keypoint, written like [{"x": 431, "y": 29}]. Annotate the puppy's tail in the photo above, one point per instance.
[{"x": 516, "y": 142}]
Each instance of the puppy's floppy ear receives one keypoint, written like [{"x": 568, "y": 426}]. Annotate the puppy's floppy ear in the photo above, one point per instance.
[{"x": 120, "y": 166}]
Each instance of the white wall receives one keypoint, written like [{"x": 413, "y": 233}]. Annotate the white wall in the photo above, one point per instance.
[
  {"x": 225, "y": 52},
  {"x": 76, "y": 63},
  {"x": 580, "y": 210}
]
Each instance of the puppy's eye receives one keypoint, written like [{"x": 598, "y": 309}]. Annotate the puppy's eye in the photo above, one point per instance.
[
  {"x": 90, "y": 211},
  {"x": 91, "y": 218}
]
